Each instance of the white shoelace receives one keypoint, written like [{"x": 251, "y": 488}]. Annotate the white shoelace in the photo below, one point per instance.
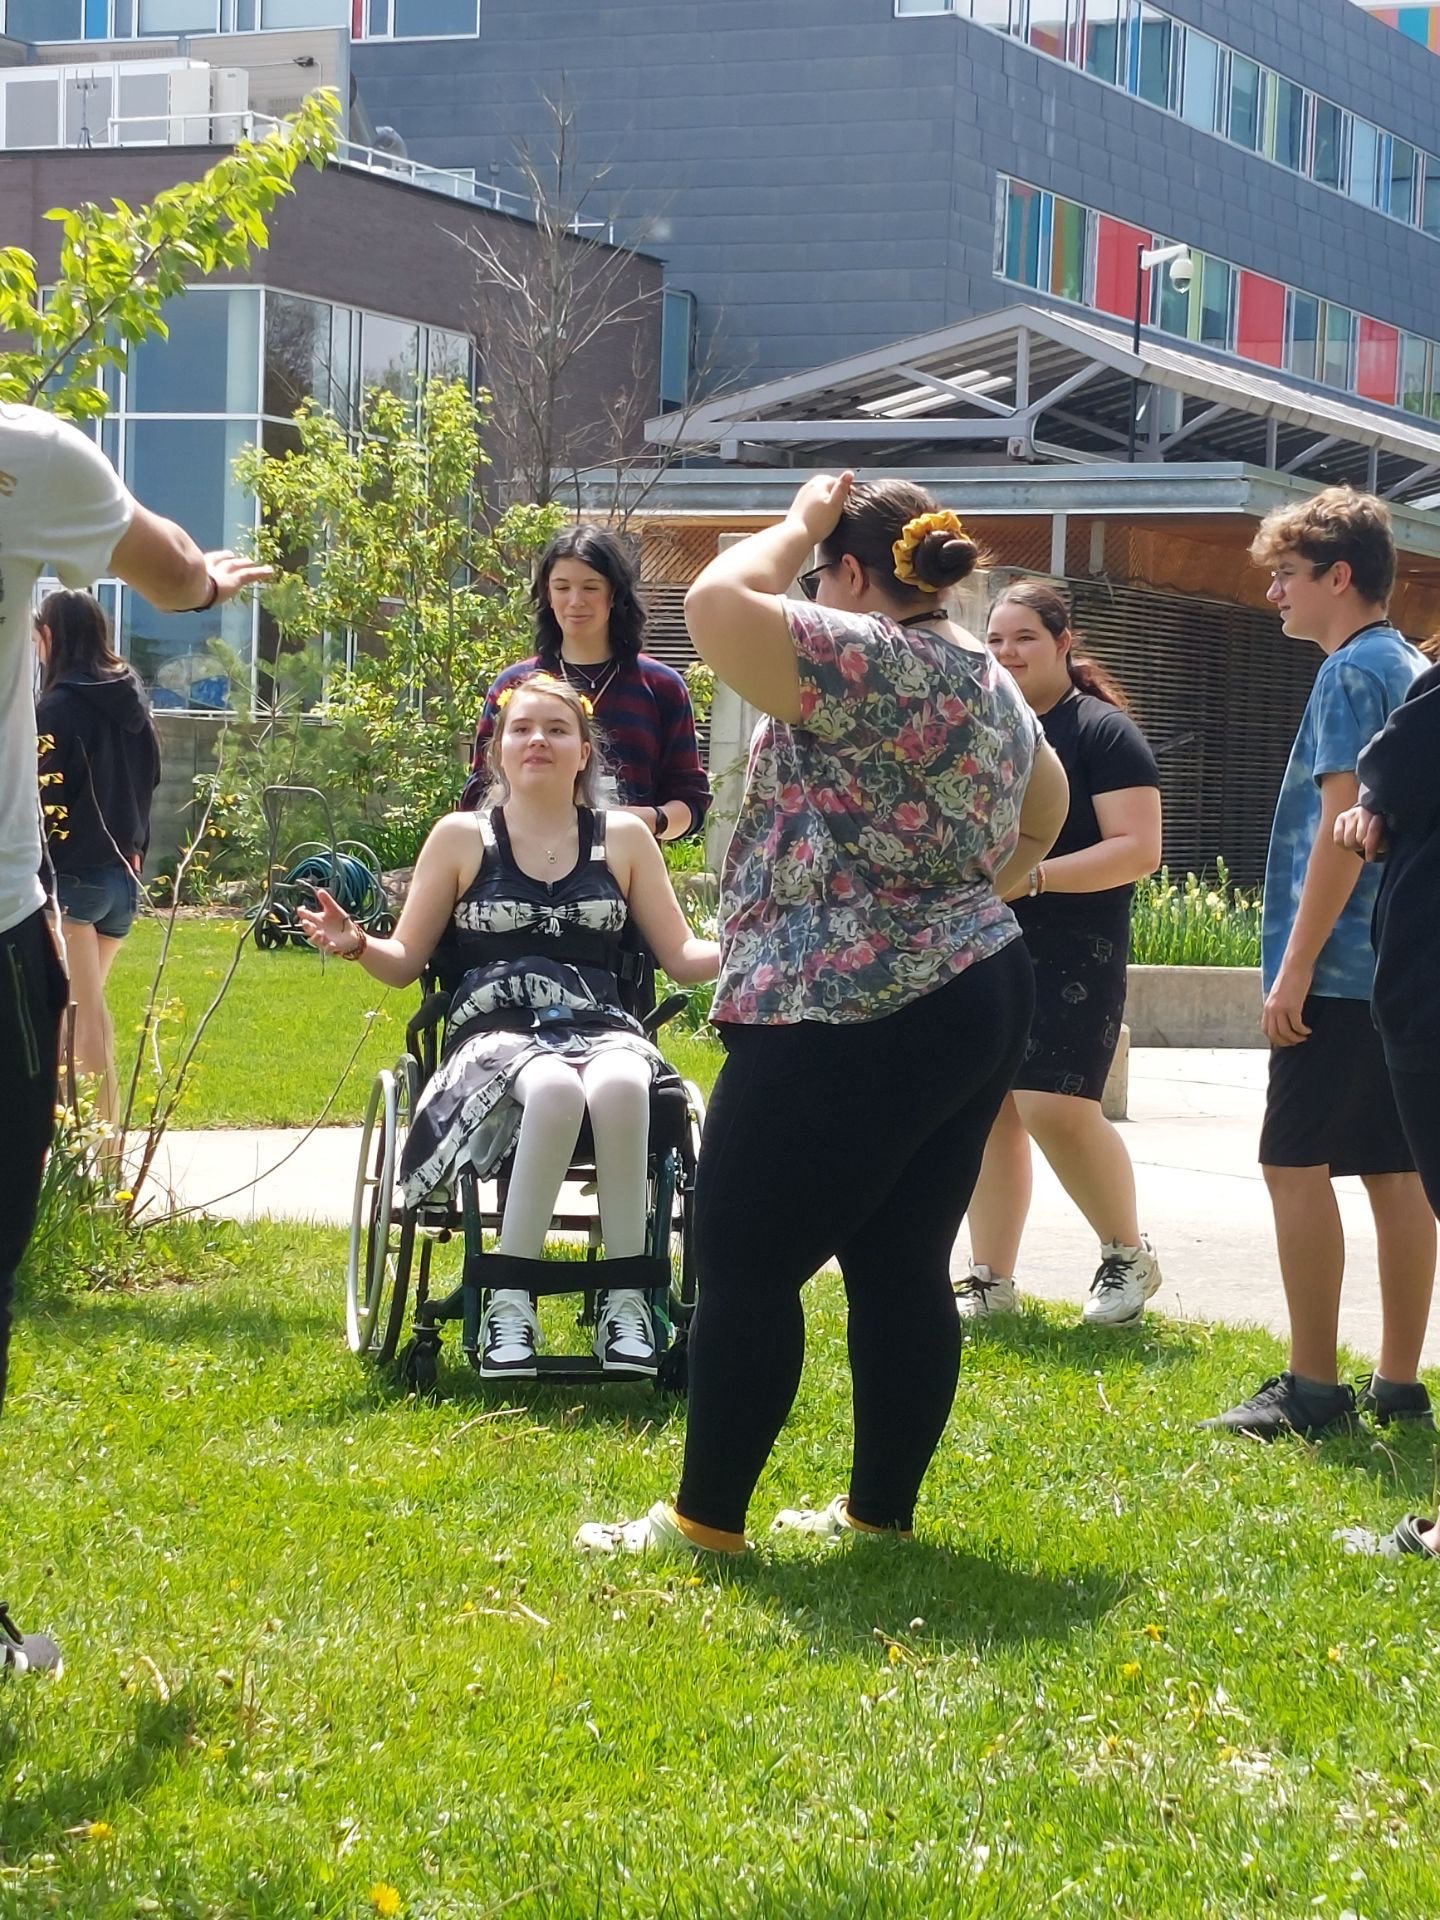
[{"x": 626, "y": 1318}]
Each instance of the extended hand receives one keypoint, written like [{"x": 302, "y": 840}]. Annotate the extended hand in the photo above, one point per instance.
[
  {"x": 232, "y": 573},
  {"x": 1282, "y": 1022},
  {"x": 1361, "y": 832},
  {"x": 331, "y": 930},
  {"x": 820, "y": 502}
]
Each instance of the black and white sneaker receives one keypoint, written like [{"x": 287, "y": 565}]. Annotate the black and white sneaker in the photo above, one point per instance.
[
  {"x": 26, "y": 1652},
  {"x": 1124, "y": 1280},
  {"x": 979, "y": 1294},
  {"x": 1385, "y": 1400},
  {"x": 624, "y": 1333},
  {"x": 509, "y": 1337}
]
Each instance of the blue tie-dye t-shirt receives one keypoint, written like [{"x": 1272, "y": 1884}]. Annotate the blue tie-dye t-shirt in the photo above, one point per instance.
[{"x": 1353, "y": 695}]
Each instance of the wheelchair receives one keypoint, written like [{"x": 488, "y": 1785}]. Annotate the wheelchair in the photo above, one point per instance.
[{"x": 393, "y": 1246}]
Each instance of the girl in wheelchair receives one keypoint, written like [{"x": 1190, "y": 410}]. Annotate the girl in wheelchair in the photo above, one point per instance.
[{"x": 530, "y": 897}]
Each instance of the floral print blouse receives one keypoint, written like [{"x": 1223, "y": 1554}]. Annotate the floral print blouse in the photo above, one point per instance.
[{"x": 861, "y": 871}]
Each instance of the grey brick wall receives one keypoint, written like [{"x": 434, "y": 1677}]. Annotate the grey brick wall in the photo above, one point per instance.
[{"x": 822, "y": 175}]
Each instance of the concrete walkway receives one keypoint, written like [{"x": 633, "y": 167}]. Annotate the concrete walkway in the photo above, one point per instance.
[{"x": 1194, "y": 1122}]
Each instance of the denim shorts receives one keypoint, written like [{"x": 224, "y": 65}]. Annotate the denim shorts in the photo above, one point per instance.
[{"x": 106, "y": 898}]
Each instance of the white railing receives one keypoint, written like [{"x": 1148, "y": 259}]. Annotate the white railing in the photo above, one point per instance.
[{"x": 225, "y": 126}]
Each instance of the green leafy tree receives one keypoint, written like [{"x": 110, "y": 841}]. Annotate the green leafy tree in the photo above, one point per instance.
[
  {"x": 377, "y": 534},
  {"x": 119, "y": 265}
]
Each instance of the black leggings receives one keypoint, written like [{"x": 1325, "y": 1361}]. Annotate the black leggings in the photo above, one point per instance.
[
  {"x": 1417, "y": 1096},
  {"x": 33, "y": 993},
  {"x": 860, "y": 1143}
]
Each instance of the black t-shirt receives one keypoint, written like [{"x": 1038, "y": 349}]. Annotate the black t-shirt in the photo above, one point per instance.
[{"x": 1102, "y": 751}]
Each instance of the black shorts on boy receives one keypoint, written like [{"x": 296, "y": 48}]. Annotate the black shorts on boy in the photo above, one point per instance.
[{"x": 1330, "y": 1102}]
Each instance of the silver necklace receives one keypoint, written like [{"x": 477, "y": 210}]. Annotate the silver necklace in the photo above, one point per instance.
[{"x": 580, "y": 679}]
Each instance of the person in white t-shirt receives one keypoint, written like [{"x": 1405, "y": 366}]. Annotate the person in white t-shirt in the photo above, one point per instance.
[{"x": 62, "y": 508}]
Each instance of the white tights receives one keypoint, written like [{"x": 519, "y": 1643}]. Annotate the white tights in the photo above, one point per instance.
[{"x": 554, "y": 1094}]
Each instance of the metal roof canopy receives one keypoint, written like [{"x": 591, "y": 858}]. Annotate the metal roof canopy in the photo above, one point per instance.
[{"x": 1052, "y": 387}]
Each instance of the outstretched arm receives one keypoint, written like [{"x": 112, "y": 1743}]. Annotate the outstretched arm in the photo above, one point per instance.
[{"x": 447, "y": 856}]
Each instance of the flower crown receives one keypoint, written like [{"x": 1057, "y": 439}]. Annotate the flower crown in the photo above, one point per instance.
[
  {"x": 542, "y": 683},
  {"x": 914, "y": 532}
]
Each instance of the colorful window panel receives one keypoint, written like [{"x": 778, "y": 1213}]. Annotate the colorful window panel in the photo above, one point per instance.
[
  {"x": 1377, "y": 355},
  {"x": 1068, "y": 232},
  {"x": 1116, "y": 247},
  {"x": 1260, "y": 320}
]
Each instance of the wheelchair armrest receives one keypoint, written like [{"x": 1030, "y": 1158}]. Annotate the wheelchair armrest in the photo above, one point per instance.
[
  {"x": 657, "y": 1017},
  {"x": 427, "y": 1018}
]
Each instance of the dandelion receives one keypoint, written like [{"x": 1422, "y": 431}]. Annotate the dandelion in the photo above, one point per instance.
[
  {"x": 385, "y": 1899},
  {"x": 1152, "y": 1632},
  {"x": 1131, "y": 1670},
  {"x": 893, "y": 1656},
  {"x": 1335, "y": 1655},
  {"x": 99, "y": 1830},
  {"x": 124, "y": 1197}
]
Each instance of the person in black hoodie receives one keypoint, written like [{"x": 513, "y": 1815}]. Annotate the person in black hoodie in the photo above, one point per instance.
[
  {"x": 99, "y": 767},
  {"x": 1398, "y": 821}
]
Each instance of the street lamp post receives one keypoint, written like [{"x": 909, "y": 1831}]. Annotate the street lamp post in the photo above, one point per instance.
[{"x": 1182, "y": 269}]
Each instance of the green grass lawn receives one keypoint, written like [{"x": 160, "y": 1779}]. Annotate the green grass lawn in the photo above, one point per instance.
[
  {"x": 323, "y": 1641},
  {"x": 286, "y": 1030}
]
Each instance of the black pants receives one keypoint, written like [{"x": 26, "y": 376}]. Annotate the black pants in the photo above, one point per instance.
[
  {"x": 860, "y": 1143},
  {"x": 33, "y": 993},
  {"x": 1417, "y": 1095}
]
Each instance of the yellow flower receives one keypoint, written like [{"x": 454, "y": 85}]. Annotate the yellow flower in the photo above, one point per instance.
[
  {"x": 915, "y": 531},
  {"x": 1131, "y": 1670},
  {"x": 124, "y": 1197},
  {"x": 385, "y": 1899},
  {"x": 99, "y": 1830},
  {"x": 1152, "y": 1632},
  {"x": 1335, "y": 1655}
]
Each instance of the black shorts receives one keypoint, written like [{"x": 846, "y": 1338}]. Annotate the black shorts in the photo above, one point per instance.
[
  {"x": 1330, "y": 1102},
  {"x": 1079, "y": 1007}
]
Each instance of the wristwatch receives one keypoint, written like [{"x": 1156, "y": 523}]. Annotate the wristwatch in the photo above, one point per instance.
[{"x": 662, "y": 821}]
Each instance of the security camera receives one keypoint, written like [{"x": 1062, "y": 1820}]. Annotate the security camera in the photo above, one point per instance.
[{"x": 1182, "y": 272}]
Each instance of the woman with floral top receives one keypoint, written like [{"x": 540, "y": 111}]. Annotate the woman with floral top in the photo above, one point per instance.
[{"x": 874, "y": 993}]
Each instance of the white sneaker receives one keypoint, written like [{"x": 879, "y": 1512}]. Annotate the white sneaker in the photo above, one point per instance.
[
  {"x": 656, "y": 1532},
  {"x": 624, "y": 1335},
  {"x": 509, "y": 1337},
  {"x": 981, "y": 1293},
  {"x": 1124, "y": 1280},
  {"x": 829, "y": 1524}
]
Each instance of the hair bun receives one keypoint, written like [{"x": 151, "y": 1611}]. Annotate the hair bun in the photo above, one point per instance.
[{"x": 944, "y": 559}]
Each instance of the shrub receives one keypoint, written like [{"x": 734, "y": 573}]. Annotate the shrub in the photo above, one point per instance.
[{"x": 1204, "y": 923}]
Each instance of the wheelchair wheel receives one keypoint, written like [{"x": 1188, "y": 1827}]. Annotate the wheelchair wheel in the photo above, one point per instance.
[
  {"x": 382, "y": 1229},
  {"x": 682, "y": 1231},
  {"x": 271, "y": 931}
]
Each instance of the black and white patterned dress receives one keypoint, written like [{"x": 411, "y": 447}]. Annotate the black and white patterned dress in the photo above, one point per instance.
[{"x": 529, "y": 1000}]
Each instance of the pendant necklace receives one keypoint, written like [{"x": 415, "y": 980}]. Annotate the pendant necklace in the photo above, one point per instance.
[{"x": 593, "y": 687}]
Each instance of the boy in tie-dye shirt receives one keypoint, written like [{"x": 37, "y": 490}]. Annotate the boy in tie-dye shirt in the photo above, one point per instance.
[{"x": 1330, "y": 1109}]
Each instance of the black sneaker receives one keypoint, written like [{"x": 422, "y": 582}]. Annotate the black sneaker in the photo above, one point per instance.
[
  {"x": 1281, "y": 1405},
  {"x": 25, "y": 1652},
  {"x": 1385, "y": 1400}
]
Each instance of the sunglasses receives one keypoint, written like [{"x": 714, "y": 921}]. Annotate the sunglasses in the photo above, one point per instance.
[{"x": 809, "y": 583}]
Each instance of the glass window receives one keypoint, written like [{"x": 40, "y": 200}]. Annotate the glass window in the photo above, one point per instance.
[
  {"x": 1327, "y": 159},
  {"x": 1364, "y": 178},
  {"x": 1285, "y": 124},
  {"x": 1200, "y": 81},
  {"x": 1067, "y": 250},
  {"x": 32, "y": 113},
  {"x": 1048, "y": 27},
  {"x": 1337, "y": 358},
  {"x": 88, "y": 107},
  {"x": 1212, "y": 318},
  {"x": 416, "y": 19},
  {"x": 389, "y": 354},
  {"x": 1104, "y": 39},
  {"x": 184, "y": 469},
  {"x": 1247, "y": 81},
  {"x": 1171, "y": 303},
  {"x": 304, "y": 13},
  {"x": 1150, "y": 56},
  {"x": 297, "y": 347},
  {"x": 45, "y": 19},
  {"x": 1023, "y": 209},
  {"x": 1302, "y": 326},
  {"x": 1414, "y": 357},
  {"x": 1003, "y": 15},
  {"x": 1404, "y": 170},
  {"x": 448, "y": 354},
  {"x": 179, "y": 16},
  {"x": 1430, "y": 198},
  {"x": 922, "y": 6},
  {"x": 210, "y": 362},
  {"x": 379, "y": 16}
]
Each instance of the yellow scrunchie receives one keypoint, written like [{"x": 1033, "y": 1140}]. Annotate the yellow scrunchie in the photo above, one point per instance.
[{"x": 915, "y": 531}]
